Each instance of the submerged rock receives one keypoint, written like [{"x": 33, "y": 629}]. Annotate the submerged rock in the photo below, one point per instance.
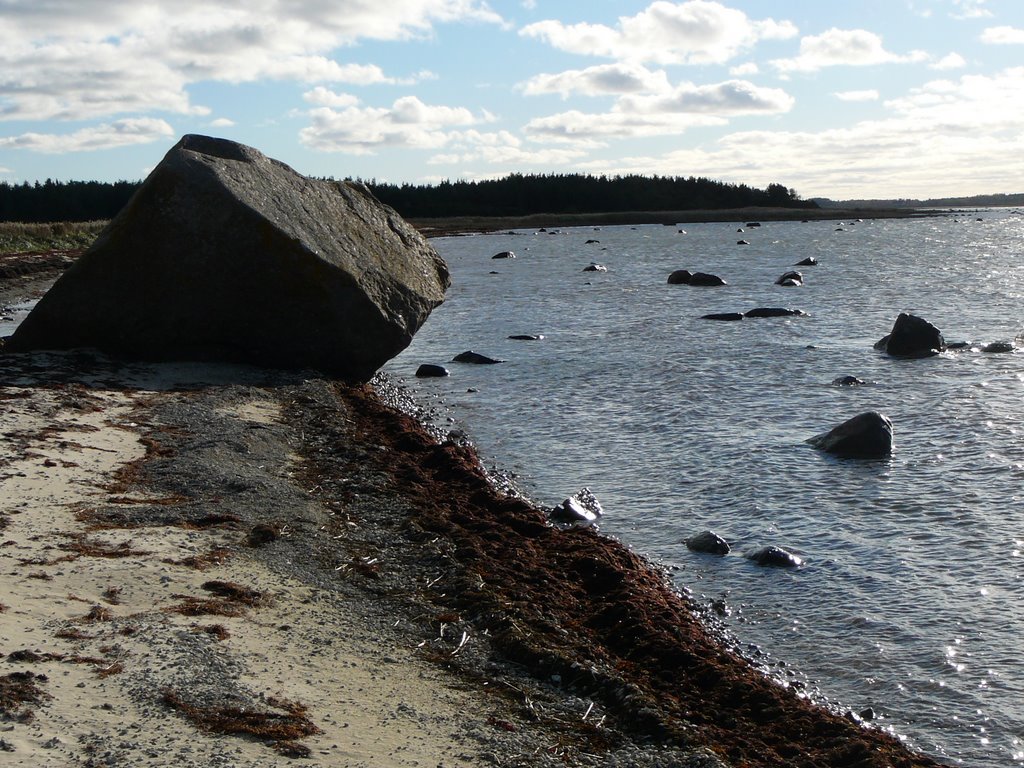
[
  {"x": 848, "y": 381},
  {"x": 999, "y": 347},
  {"x": 810, "y": 261},
  {"x": 912, "y": 336},
  {"x": 504, "y": 255},
  {"x": 774, "y": 557},
  {"x": 709, "y": 542},
  {"x": 724, "y": 316},
  {"x": 526, "y": 336},
  {"x": 469, "y": 356},
  {"x": 595, "y": 268},
  {"x": 790, "y": 278},
  {"x": 866, "y": 436},
  {"x": 226, "y": 254}
]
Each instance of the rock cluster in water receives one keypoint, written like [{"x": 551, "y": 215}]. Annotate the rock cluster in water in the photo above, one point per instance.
[{"x": 226, "y": 254}]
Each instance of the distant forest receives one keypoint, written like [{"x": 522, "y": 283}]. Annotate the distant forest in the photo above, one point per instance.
[
  {"x": 514, "y": 195},
  {"x": 974, "y": 201}
]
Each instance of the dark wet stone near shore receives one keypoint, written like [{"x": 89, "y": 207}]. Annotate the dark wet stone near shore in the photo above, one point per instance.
[
  {"x": 724, "y": 316},
  {"x": 680, "y": 277},
  {"x": 866, "y": 436},
  {"x": 580, "y": 509},
  {"x": 709, "y": 542},
  {"x": 790, "y": 278},
  {"x": 218, "y": 233},
  {"x": 774, "y": 557},
  {"x": 774, "y": 312},
  {"x": 912, "y": 336},
  {"x": 999, "y": 347},
  {"x": 469, "y": 356},
  {"x": 429, "y": 370},
  {"x": 595, "y": 268},
  {"x": 810, "y": 261},
  {"x": 504, "y": 255},
  {"x": 526, "y": 337},
  {"x": 848, "y": 381}
]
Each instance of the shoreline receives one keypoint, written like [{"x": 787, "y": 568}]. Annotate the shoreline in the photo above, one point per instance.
[
  {"x": 389, "y": 604},
  {"x": 455, "y": 225}
]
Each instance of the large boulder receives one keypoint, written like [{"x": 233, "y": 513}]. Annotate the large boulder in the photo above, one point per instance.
[
  {"x": 865, "y": 436},
  {"x": 912, "y": 336},
  {"x": 226, "y": 254}
]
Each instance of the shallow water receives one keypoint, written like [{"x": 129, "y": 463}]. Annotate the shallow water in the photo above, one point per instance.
[{"x": 909, "y": 602}]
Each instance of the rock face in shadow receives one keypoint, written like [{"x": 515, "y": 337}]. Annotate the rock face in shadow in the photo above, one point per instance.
[
  {"x": 226, "y": 254},
  {"x": 865, "y": 436},
  {"x": 912, "y": 336}
]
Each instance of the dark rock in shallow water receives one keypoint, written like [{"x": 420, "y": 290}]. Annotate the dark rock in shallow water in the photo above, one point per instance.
[
  {"x": 775, "y": 557},
  {"x": 581, "y": 509},
  {"x": 591, "y": 242},
  {"x": 706, "y": 280},
  {"x": 595, "y": 268},
  {"x": 848, "y": 381},
  {"x": 470, "y": 356},
  {"x": 790, "y": 278},
  {"x": 742, "y": 242},
  {"x": 912, "y": 336},
  {"x": 775, "y": 312},
  {"x": 865, "y": 436},
  {"x": 429, "y": 370},
  {"x": 226, "y": 254},
  {"x": 998, "y": 347},
  {"x": 680, "y": 277},
  {"x": 504, "y": 255},
  {"x": 725, "y": 316},
  {"x": 526, "y": 336},
  {"x": 810, "y": 261},
  {"x": 708, "y": 541}
]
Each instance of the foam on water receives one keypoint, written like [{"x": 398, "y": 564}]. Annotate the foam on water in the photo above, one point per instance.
[{"x": 909, "y": 601}]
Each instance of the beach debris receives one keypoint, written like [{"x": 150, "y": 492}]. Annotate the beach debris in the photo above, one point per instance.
[
  {"x": 215, "y": 235},
  {"x": 469, "y": 356},
  {"x": 581, "y": 509},
  {"x": 709, "y": 542},
  {"x": 912, "y": 336},
  {"x": 866, "y": 436}
]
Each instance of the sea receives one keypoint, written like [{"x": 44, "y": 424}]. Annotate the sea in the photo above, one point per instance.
[{"x": 909, "y": 606}]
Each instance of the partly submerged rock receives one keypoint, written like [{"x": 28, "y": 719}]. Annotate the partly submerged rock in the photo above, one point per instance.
[
  {"x": 775, "y": 557},
  {"x": 430, "y": 371},
  {"x": 708, "y": 541},
  {"x": 580, "y": 509},
  {"x": 706, "y": 280},
  {"x": 680, "y": 277},
  {"x": 774, "y": 312},
  {"x": 595, "y": 267},
  {"x": 810, "y": 261},
  {"x": 226, "y": 254},
  {"x": 790, "y": 278},
  {"x": 725, "y": 316},
  {"x": 848, "y": 381},
  {"x": 866, "y": 436},
  {"x": 999, "y": 347},
  {"x": 469, "y": 356},
  {"x": 526, "y": 336},
  {"x": 504, "y": 255},
  {"x": 912, "y": 336}
]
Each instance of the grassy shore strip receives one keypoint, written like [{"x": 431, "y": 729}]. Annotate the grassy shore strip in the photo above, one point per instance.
[
  {"x": 20, "y": 237},
  {"x": 465, "y": 224}
]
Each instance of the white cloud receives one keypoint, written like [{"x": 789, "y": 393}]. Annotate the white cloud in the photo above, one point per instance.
[
  {"x": 324, "y": 97},
  {"x": 744, "y": 70},
  {"x": 362, "y": 130},
  {"x": 971, "y": 9},
  {"x": 969, "y": 128},
  {"x": 733, "y": 97},
  {"x": 615, "y": 79},
  {"x": 867, "y": 95},
  {"x": 593, "y": 129},
  {"x": 851, "y": 47},
  {"x": 108, "y": 136},
  {"x": 222, "y": 122},
  {"x": 503, "y": 148},
  {"x": 694, "y": 32},
  {"x": 88, "y": 59},
  {"x": 1003, "y": 36},
  {"x": 950, "y": 61}
]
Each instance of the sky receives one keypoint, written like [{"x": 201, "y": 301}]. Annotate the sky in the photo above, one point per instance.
[{"x": 862, "y": 99}]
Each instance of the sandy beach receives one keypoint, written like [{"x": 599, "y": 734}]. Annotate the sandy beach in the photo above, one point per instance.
[{"x": 209, "y": 565}]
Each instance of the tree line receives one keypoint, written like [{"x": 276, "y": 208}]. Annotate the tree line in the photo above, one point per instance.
[{"x": 513, "y": 195}]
